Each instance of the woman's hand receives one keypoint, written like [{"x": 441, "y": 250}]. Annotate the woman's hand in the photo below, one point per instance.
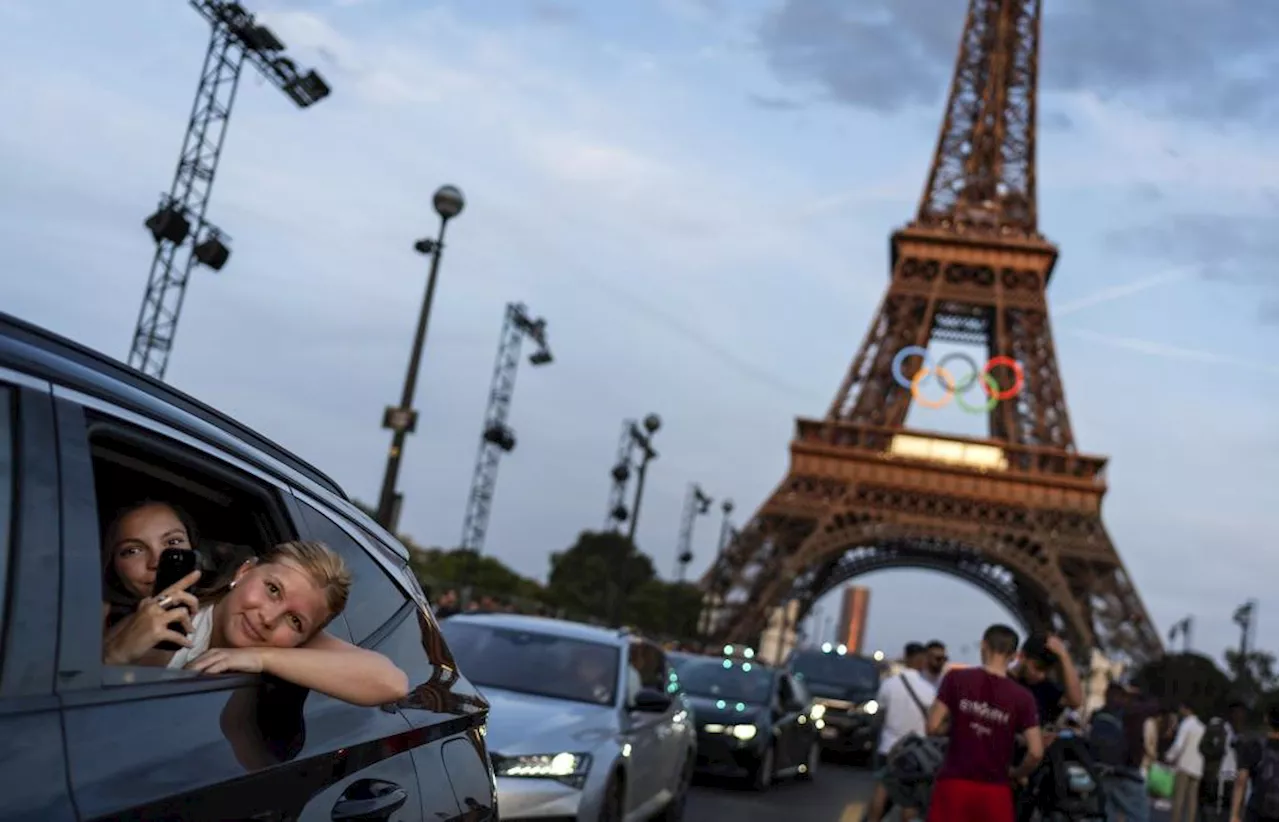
[
  {"x": 229, "y": 660},
  {"x": 132, "y": 637}
]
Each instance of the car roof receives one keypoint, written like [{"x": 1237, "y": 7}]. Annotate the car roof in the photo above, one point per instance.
[
  {"x": 42, "y": 353},
  {"x": 546, "y": 625}
]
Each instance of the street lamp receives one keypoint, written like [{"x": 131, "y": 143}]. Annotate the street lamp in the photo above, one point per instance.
[
  {"x": 726, "y": 508},
  {"x": 403, "y": 419},
  {"x": 644, "y": 441}
]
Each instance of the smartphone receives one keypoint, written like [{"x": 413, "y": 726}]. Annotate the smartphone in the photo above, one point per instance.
[{"x": 175, "y": 563}]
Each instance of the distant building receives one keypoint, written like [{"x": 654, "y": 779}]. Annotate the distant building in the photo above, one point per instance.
[{"x": 852, "y": 628}]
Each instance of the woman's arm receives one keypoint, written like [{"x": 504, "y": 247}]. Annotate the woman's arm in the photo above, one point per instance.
[{"x": 338, "y": 669}]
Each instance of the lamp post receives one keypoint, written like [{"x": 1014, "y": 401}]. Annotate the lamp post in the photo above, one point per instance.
[
  {"x": 643, "y": 441},
  {"x": 726, "y": 509},
  {"x": 1243, "y": 617},
  {"x": 403, "y": 420}
]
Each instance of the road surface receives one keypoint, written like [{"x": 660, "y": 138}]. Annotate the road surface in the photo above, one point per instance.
[{"x": 838, "y": 793}]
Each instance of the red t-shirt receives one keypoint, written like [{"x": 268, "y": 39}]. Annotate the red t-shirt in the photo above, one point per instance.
[{"x": 987, "y": 713}]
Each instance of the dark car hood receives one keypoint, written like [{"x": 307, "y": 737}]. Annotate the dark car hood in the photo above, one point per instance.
[
  {"x": 828, "y": 691},
  {"x": 724, "y": 712}
]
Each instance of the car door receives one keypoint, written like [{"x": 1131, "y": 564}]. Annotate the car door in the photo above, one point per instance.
[
  {"x": 32, "y": 757},
  {"x": 790, "y": 725},
  {"x": 443, "y": 711},
  {"x": 807, "y": 732},
  {"x": 152, "y": 743},
  {"x": 647, "y": 733}
]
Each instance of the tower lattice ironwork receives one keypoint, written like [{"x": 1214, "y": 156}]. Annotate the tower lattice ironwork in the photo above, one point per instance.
[{"x": 1018, "y": 513}]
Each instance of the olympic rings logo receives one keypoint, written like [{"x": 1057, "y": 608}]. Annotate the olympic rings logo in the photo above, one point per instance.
[{"x": 956, "y": 390}]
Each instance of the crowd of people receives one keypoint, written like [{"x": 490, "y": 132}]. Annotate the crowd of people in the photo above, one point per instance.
[{"x": 1006, "y": 740}]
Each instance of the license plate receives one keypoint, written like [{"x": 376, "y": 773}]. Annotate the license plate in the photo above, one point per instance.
[{"x": 830, "y": 733}]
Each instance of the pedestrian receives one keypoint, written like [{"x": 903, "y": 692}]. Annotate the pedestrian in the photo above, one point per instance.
[
  {"x": 935, "y": 667},
  {"x": 1188, "y": 765},
  {"x": 1258, "y": 774},
  {"x": 1117, "y": 741},
  {"x": 904, "y": 702},
  {"x": 982, "y": 711}
]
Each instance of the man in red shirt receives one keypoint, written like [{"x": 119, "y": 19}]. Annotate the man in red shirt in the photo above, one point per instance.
[{"x": 987, "y": 711}]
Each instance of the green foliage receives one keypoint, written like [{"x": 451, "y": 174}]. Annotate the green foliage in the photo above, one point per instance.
[
  {"x": 1254, "y": 673},
  {"x": 440, "y": 570},
  {"x": 1193, "y": 678},
  {"x": 600, "y": 576}
]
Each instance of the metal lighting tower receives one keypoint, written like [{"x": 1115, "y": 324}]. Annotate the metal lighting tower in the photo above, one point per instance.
[
  {"x": 1182, "y": 628},
  {"x": 632, "y": 438},
  {"x": 696, "y": 503},
  {"x": 497, "y": 438},
  {"x": 235, "y": 38}
]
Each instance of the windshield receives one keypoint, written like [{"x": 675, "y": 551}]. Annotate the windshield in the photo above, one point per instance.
[
  {"x": 531, "y": 662},
  {"x": 853, "y": 673},
  {"x": 727, "y": 680}
]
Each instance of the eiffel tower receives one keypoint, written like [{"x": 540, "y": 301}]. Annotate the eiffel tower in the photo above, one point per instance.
[{"x": 1017, "y": 514}]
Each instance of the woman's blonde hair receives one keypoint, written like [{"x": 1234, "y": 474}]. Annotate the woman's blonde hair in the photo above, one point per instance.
[{"x": 322, "y": 564}]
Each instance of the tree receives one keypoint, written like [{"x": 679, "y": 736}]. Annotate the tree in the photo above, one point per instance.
[
  {"x": 669, "y": 609},
  {"x": 439, "y": 570},
  {"x": 1191, "y": 678},
  {"x": 1254, "y": 677},
  {"x": 598, "y": 572}
]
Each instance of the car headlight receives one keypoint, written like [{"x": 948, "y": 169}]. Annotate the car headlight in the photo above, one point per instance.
[
  {"x": 569, "y": 768},
  {"x": 817, "y": 711},
  {"x": 870, "y": 707},
  {"x": 743, "y": 733}
]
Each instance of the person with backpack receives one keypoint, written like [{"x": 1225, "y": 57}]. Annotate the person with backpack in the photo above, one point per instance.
[
  {"x": 1215, "y": 747},
  {"x": 904, "y": 701},
  {"x": 1258, "y": 774},
  {"x": 1188, "y": 765},
  {"x": 1116, "y": 740}
]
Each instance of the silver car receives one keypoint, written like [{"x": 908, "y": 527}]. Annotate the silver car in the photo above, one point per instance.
[{"x": 585, "y": 723}]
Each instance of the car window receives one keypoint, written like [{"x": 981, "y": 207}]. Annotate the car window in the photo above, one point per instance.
[
  {"x": 729, "y": 680},
  {"x": 533, "y": 662},
  {"x": 7, "y": 468},
  {"x": 787, "y": 697},
  {"x": 649, "y": 664},
  {"x": 375, "y": 598},
  {"x": 151, "y": 494},
  {"x": 800, "y": 692}
]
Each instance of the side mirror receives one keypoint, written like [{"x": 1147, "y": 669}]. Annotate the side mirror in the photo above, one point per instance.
[{"x": 650, "y": 701}]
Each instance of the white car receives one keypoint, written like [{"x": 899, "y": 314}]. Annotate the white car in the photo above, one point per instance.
[{"x": 585, "y": 723}]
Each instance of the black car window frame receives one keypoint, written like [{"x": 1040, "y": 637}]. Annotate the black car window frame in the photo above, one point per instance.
[
  {"x": 82, "y": 676},
  {"x": 8, "y": 497},
  {"x": 365, "y": 634},
  {"x": 27, "y": 666}
]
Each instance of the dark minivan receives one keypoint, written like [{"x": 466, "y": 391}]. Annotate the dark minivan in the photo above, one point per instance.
[{"x": 82, "y": 436}]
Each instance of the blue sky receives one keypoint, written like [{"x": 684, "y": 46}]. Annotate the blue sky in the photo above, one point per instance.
[{"x": 697, "y": 196}]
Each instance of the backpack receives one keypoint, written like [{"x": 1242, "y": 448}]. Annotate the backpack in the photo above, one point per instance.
[
  {"x": 1107, "y": 740},
  {"x": 1070, "y": 785},
  {"x": 1265, "y": 801},
  {"x": 1213, "y": 744},
  {"x": 912, "y": 763}
]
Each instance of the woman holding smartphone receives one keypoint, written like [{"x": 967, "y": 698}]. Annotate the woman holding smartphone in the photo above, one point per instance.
[{"x": 268, "y": 618}]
